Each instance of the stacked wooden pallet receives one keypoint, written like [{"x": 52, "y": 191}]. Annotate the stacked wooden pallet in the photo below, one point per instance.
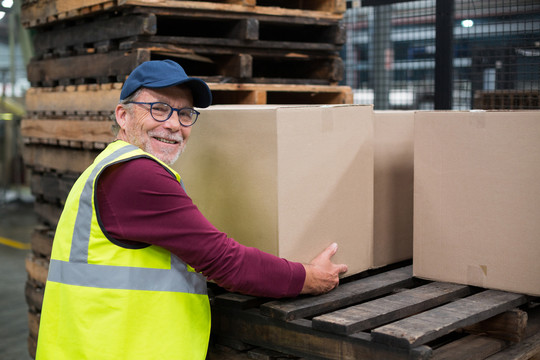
[
  {"x": 507, "y": 100},
  {"x": 248, "y": 51},
  {"x": 239, "y": 47}
]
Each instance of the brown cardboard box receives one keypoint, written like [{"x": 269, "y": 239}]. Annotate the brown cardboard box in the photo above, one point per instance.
[
  {"x": 393, "y": 187},
  {"x": 289, "y": 180},
  {"x": 477, "y": 199}
]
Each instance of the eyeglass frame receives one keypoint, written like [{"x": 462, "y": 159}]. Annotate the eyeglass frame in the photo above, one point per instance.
[{"x": 173, "y": 109}]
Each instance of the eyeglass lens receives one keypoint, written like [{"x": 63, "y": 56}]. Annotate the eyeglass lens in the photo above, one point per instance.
[{"x": 162, "y": 111}]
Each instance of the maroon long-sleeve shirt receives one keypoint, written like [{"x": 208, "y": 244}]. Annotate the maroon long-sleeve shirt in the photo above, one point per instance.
[{"x": 139, "y": 201}]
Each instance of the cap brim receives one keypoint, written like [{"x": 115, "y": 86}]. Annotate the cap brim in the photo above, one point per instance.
[{"x": 202, "y": 96}]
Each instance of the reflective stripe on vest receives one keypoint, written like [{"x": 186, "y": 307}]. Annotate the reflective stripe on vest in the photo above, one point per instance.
[{"x": 79, "y": 272}]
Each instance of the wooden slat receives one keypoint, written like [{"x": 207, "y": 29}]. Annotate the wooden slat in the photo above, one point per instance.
[
  {"x": 509, "y": 325},
  {"x": 202, "y": 61},
  {"x": 37, "y": 268},
  {"x": 280, "y": 94},
  {"x": 282, "y": 61},
  {"x": 377, "y": 312},
  {"x": 94, "y": 31},
  {"x": 314, "y": 8},
  {"x": 70, "y": 101},
  {"x": 36, "y": 13},
  {"x": 58, "y": 158},
  {"x": 422, "y": 328},
  {"x": 472, "y": 347},
  {"x": 74, "y": 100},
  {"x": 197, "y": 30},
  {"x": 66, "y": 129},
  {"x": 238, "y": 301},
  {"x": 33, "y": 293},
  {"x": 94, "y": 66},
  {"x": 42, "y": 239},
  {"x": 521, "y": 351},
  {"x": 33, "y": 324},
  {"x": 343, "y": 295},
  {"x": 479, "y": 347},
  {"x": 49, "y": 213}
]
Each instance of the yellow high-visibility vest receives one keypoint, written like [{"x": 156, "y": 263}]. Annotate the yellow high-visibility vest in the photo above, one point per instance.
[{"x": 107, "y": 301}]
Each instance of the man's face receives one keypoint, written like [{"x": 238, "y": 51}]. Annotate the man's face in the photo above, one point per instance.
[{"x": 165, "y": 140}]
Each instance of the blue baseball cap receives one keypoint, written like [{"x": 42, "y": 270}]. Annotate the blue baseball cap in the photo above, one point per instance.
[{"x": 157, "y": 74}]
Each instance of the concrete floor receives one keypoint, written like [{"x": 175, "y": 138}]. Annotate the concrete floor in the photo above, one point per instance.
[{"x": 17, "y": 221}]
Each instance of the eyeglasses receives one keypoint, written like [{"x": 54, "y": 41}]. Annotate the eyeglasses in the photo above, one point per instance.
[{"x": 161, "y": 112}]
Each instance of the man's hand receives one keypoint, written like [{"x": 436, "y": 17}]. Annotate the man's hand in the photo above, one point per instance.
[{"x": 321, "y": 274}]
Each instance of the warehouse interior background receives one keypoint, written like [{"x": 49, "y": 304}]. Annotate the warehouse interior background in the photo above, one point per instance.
[{"x": 406, "y": 55}]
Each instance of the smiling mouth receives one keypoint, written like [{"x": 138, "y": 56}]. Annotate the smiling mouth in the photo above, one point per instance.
[{"x": 166, "y": 141}]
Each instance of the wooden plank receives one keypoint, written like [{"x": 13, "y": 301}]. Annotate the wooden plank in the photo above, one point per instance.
[
  {"x": 48, "y": 213},
  {"x": 298, "y": 338},
  {"x": 521, "y": 351},
  {"x": 52, "y": 187},
  {"x": 33, "y": 324},
  {"x": 472, "y": 347},
  {"x": 57, "y": 158},
  {"x": 94, "y": 31},
  {"x": 264, "y": 354},
  {"x": 41, "y": 240},
  {"x": 73, "y": 100},
  {"x": 33, "y": 293},
  {"x": 67, "y": 129},
  {"x": 280, "y": 94},
  {"x": 37, "y": 268},
  {"x": 422, "y": 328},
  {"x": 238, "y": 301},
  {"x": 509, "y": 325},
  {"x": 34, "y": 13},
  {"x": 479, "y": 347},
  {"x": 320, "y": 8},
  {"x": 242, "y": 32},
  {"x": 114, "y": 64},
  {"x": 220, "y": 352},
  {"x": 38, "y": 13},
  {"x": 343, "y": 295},
  {"x": 102, "y": 99},
  {"x": 238, "y": 66},
  {"x": 381, "y": 311},
  {"x": 280, "y": 58},
  {"x": 246, "y": 29}
]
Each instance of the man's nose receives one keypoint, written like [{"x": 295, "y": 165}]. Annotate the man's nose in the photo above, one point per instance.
[{"x": 172, "y": 123}]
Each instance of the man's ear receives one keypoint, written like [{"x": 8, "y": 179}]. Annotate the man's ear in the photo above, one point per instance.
[{"x": 121, "y": 116}]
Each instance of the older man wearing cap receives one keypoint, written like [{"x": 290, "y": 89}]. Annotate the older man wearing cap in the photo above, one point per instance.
[{"x": 132, "y": 253}]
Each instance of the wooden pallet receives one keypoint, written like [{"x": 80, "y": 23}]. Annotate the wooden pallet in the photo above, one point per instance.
[
  {"x": 213, "y": 64},
  {"x": 97, "y": 102},
  {"x": 38, "y": 13},
  {"x": 388, "y": 315},
  {"x": 191, "y": 29},
  {"x": 507, "y": 100},
  {"x": 37, "y": 268}
]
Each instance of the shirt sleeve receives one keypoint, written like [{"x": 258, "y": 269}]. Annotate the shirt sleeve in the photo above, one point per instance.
[{"x": 140, "y": 201}]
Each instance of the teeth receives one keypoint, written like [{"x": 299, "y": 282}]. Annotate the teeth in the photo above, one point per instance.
[{"x": 166, "y": 141}]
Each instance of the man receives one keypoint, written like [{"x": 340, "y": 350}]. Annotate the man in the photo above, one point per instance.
[{"x": 131, "y": 254}]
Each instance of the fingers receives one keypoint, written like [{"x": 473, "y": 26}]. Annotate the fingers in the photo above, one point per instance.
[
  {"x": 342, "y": 268},
  {"x": 325, "y": 255},
  {"x": 329, "y": 251},
  {"x": 321, "y": 274}
]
